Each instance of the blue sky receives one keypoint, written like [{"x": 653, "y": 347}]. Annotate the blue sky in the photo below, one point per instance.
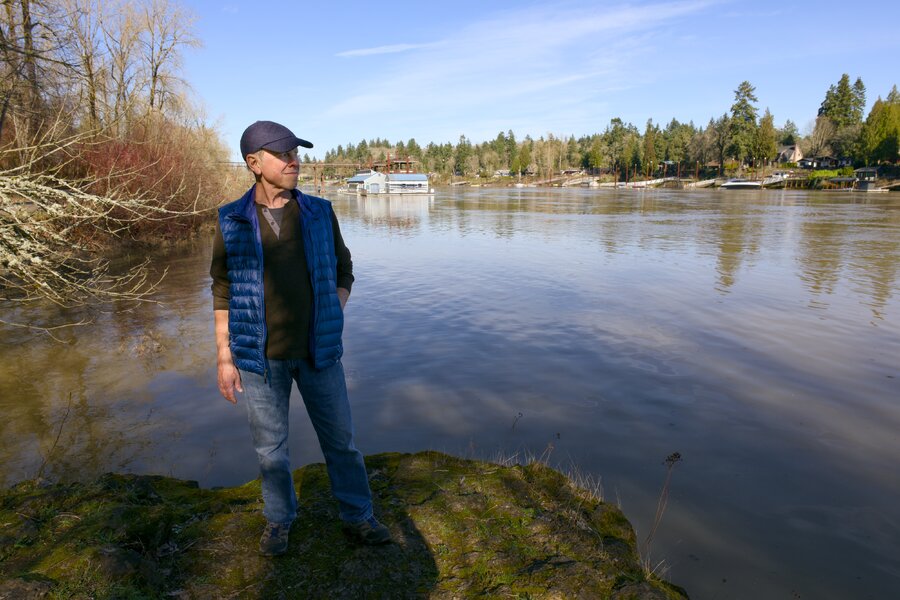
[{"x": 340, "y": 72}]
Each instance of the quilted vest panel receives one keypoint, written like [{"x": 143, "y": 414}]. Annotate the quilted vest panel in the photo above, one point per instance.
[{"x": 246, "y": 311}]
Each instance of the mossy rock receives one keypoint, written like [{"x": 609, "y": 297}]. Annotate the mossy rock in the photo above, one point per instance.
[{"x": 462, "y": 528}]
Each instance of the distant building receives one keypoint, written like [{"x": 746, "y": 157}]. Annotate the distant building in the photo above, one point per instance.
[
  {"x": 405, "y": 183},
  {"x": 808, "y": 163},
  {"x": 369, "y": 181},
  {"x": 791, "y": 154},
  {"x": 830, "y": 162},
  {"x": 866, "y": 173}
]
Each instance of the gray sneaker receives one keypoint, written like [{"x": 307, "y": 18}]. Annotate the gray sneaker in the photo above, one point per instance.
[
  {"x": 369, "y": 532},
  {"x": 274, "y": 540}
]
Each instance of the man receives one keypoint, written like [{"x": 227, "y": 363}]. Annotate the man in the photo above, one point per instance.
[{"x": 281, "y": 277}]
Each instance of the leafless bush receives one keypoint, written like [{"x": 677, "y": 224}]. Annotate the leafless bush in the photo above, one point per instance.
[{"x": 99, "y": 143}]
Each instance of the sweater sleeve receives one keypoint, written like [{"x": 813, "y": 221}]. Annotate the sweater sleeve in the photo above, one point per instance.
[
  {"x": 218, "y": 270},
  {"x": 344, "y": 262}
]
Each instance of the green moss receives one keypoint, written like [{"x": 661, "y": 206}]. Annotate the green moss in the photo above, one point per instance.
[{"x": 462, "y": 528}]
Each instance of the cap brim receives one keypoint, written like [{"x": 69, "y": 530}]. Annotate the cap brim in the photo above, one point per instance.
[{"x": 286, "y": 143}]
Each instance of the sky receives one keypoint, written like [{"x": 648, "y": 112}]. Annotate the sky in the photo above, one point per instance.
[{"x": 339, "y": 72}]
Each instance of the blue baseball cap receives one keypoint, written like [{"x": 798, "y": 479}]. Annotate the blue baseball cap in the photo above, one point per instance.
[{"x": 269, "y": 135}]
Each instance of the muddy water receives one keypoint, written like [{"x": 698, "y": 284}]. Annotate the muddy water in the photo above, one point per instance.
[{"x": 755, "y": 333}]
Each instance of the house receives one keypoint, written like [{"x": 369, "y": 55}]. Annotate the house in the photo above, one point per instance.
[
  {"x": 791, "y": 154},
  {"x": 808, "y": 163},
  {"x": 368, "y": 181},
  {"x": 502, "y": 173}
]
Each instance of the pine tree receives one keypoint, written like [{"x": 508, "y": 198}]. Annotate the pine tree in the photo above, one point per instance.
[
  {"x": 839, "y": 102},
  {"x": 765, "y": 138},
  {"x": 743, "y": 121},
  {"x": 650, "y": 158},
  {"x": 894, "y": 96},
  {"x": 859, "y": 100},
  {"x": 789, "y": 133}
]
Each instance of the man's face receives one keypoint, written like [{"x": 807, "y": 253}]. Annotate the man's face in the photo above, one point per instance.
[{"x": 279, "y": 169}]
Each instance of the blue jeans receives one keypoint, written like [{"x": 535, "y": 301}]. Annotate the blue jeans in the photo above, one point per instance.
[{"x": 325, "y": 396}]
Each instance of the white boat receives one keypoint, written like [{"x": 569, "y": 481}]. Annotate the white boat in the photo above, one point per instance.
[
  {"x": 741, "y": 184},
  {"x": 775, "y": 179}
]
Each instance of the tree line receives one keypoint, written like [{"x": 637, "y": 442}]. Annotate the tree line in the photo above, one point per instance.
[{"x": 741, "y": 137}]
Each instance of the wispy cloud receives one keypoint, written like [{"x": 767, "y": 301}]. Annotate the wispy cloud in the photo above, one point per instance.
[
  {"x": 230, "y": 8},
  {"x": 389, "y": 49},
  {"x": 533, "y": 67}
]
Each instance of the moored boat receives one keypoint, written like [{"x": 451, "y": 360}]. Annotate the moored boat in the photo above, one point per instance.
[{"x": 741, "y": 184}]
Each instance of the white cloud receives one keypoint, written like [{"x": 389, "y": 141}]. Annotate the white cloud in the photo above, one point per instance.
[
  {"x": 390, "y": 49},
  {"x": 543, "y": 67}
]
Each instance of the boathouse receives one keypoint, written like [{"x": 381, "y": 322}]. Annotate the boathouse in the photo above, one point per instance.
[
  {"x": 369, "y": 181},
  {"x": 406, "y": 183}
]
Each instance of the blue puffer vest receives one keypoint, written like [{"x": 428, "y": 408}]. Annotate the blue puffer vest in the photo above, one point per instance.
[{"x": 247, "y": 308}]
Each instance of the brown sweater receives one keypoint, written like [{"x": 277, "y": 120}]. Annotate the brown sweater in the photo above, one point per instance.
[{"x": 286, "y": 285}]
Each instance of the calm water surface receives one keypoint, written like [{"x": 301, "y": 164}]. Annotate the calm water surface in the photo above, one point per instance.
[{"x": 755, "y": 333}]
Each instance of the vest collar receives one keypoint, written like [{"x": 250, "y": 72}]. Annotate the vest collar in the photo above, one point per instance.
[{"x": 246, "y": 206}]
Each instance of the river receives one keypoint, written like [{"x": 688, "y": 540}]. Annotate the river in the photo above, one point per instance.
[{"x": 755, "y": 333}]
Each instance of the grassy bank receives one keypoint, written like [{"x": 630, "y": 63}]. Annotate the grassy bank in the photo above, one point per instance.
[{"x": 462, "y": 528}]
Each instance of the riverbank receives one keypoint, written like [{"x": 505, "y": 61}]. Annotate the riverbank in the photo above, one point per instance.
[{"x": 463, "y": 528}]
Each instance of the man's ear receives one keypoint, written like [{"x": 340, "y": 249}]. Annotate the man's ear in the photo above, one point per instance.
[{"x": 253, "y": 163}]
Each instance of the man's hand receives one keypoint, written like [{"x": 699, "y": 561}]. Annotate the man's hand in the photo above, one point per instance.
[
  {"x": 229, "y": 380},
  {"x": 343, "y": 296}
]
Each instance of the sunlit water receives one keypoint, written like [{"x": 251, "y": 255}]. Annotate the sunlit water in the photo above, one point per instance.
[{"x": 755, "y": 333}]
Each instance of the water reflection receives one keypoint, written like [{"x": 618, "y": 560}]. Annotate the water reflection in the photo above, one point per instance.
[{"x": 755, "y": 333}]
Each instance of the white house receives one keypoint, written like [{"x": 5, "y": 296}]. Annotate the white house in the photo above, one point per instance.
[{"x": 368, "y": 181}]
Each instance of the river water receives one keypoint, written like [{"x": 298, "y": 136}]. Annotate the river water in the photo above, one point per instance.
[{"x": 755, "y": 333}]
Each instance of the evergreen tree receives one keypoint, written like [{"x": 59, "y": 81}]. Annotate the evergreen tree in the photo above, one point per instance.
[
  {"x": 525, "y": 155},
  {"x": 859, "y": 100},
  {"x": 651, "y": 160},
  {"x": 766, "y": 147},
  {"x": 838, "y": 104},
  {"x": 678, "y": 140},
  {"x": 743, "y": 121},
  {"x": 413, "y": 149},
  {"x": 512, "y": 149},
  {"x": 596, "y": 152},
  {"x": 880, "y": 137},
  {"x": 721, "y": 138},
  {"x": 789, "y": 133},
  {"x": 462, "y": 154},
  {"x": 893, "y": 96}
]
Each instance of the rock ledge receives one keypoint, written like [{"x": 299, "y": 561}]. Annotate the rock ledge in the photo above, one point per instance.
[{"x": 463, "y": 528}]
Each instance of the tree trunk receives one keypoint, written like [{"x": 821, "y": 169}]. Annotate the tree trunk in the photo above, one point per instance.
[{"x": 30, "y": 64}]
